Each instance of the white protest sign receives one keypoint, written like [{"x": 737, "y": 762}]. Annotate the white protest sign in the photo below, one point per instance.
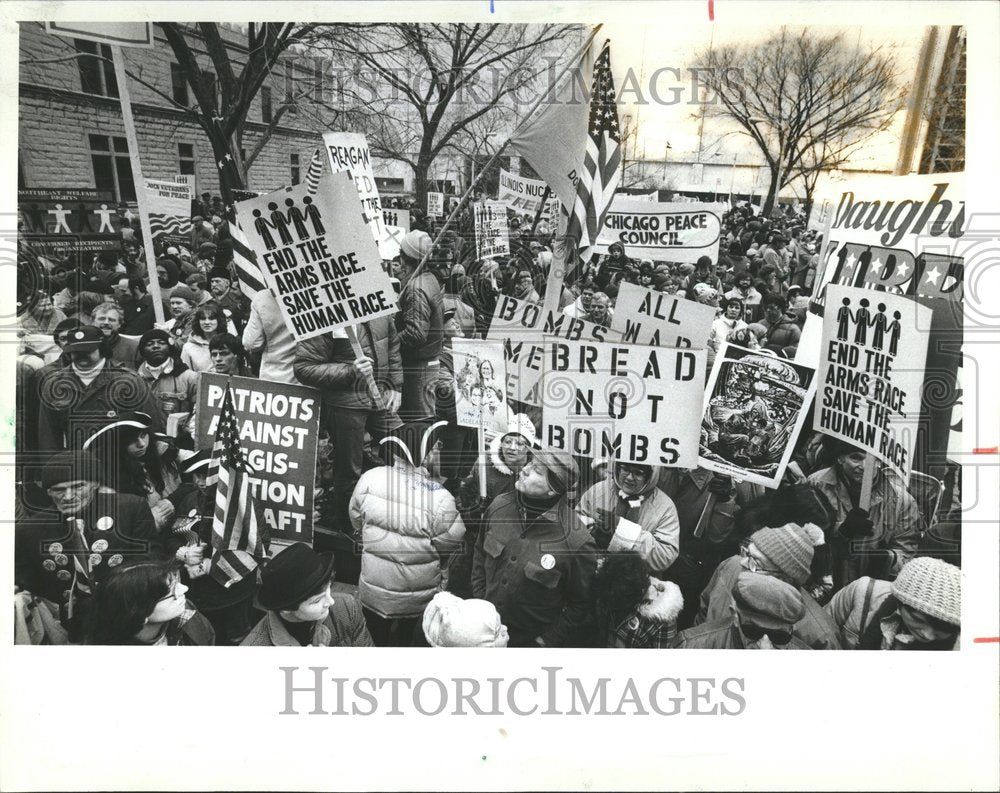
[
  {"x": 396, "y": 225},
  {"x": 317, "y": 256},
  {"x": 644, "y": 316},
  {"x": 400, "y": 218},
  {"x": 520, "y": 194},
  {"x": 169, "y": 207},
  {"x": 871, "y": 372},
  {"x": 491, "y": 230},
  {"x": 188, "y": 179},
  {"x": 348, "y": 151},
  {"x": 522, "y": 327},
  {"x": 677, "y": 232},
  {"x": 480, "y": 384},
  {"x": 755, "y": 405},
  {"x": 626, "y": 402},
  {"x": 435, "y": 205}
]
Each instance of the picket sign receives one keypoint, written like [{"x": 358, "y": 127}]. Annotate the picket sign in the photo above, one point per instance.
[{"x": 352, "y": 335}]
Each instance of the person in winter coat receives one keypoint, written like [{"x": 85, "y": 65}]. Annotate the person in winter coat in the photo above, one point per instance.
[
  {"x": 628, "y": 511},
  {"x": 450, "y": 621},
  {"x": 762, "y": 616},
  {"x": 878, "y": 541},
  {"x": 208, "y": 320},
  {"x": 109, "y": 317},
  {"x": 777, "y": 331},
  {"x": 920, "y": 610},
  {"x": 785, "y": 552},
  {"x": 182, "y": 306},
  {"x": 535, "y": 561},
  {"x": 508, "y": 454},
  {"x": 143, "y": 603},
  {"x": 580, "y": 308},
  {"x": 730, "y": 320},
  {"x": 634, "y": 610},
  {"x": 76, "y": 399},
  {"x": 267, "y": 333},
  {"x": 408, "y": 524},
  {"x": 328, "y": 363},
  {"x": 744, "y": 291},
  {"x": 302, "y": 611},
  {"x": 228, "y": 296},
  {"x": 173, "y": 385}
]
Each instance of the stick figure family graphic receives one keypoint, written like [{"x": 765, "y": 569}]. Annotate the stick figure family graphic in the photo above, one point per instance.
[
  {"x": 283, "y": 223},
  {"x": 864, "y": 319}
]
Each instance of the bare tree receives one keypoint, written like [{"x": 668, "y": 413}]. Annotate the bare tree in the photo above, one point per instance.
[
  {"x": 808, "y": 101},
  {"x": 430, "y": 87}
]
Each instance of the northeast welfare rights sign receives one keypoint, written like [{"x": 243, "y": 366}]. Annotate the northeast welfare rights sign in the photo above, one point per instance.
[
  {"x": 279, "y": 429},
  {"x": 871, "y": 372},
  {"x": 318, "y": 256},
  {"x": 676, "y": 232}
]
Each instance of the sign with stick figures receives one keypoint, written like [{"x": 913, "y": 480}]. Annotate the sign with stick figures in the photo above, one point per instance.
[
  {"x": 318, "y": 256},
  {"x": 871, "y": 372}
]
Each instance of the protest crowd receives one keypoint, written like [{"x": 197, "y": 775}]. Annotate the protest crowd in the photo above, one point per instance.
[{"x": 427, "y": 539}]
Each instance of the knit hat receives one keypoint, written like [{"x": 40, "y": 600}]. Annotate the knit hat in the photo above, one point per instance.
[
  {"x": 768, "y": 602},
  {"x": 415, "y": 245},
  {"x": 450, "y": 621},
  {"x": 219, "y": 272},
  {"x": 185, "y": 293},
  {"x": 155, "y": 333},
  {"x": 560, "y": 469},
  {"x": 69, "y": 467},
  {"x": 790, "y": 547},
  {"x": 931, "y": 587},
  {"x": 704, "y": 290}
]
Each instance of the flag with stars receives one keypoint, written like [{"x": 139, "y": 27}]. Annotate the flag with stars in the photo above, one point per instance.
[
  {"x": 237, "y": 539},
  {"x": 599, "y": 172},
  {"x": 314, "y": 172}
]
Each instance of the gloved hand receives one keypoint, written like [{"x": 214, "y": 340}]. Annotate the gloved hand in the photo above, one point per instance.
[
  {"x": 721, "y": 485},
  {"x": 857, "y": 525}
]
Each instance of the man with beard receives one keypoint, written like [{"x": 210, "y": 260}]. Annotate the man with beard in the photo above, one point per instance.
[
  {"x": 130, "y": 292},
  {"x": 77, "y": 398},
  {"x": 108, "y": 318},
  {"x": 228, "y": 297}
]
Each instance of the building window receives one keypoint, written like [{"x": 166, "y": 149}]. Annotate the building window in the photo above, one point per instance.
[
  {"x": 179, "y": 84},
  {"x": 265, "y": 105},
  {"x": 96, "y": 76},
  {"x": 112, "y": 169},
  {"x": 185, "y": 155},
  {"x": 296, "y": 172}
]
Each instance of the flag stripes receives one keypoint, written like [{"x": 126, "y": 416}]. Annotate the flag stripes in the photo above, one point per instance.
[
  {"x": 245, "y": 261},
  {"x": 169, "y": 224},
  {"x": 314, "y": 172}
]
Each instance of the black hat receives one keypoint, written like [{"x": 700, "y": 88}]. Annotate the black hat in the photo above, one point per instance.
[
  {"x": 155, "y": 333},
  {"x": 292, "y": 576},
  {"x": 189, "y": 462},
  {"x": 131, "y": 418},
  {"x": 84, "y": 339},
  {"x": 69, "y": 467},
  {"x": 219, "y": 272}
]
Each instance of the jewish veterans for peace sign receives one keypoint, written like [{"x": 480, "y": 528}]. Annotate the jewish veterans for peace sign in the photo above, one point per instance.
[{"x": 318, "y": 256}]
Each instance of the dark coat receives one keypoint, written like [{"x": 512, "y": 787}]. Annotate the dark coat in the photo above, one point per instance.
[
  {"x": 421, "y": 318},
  {"x": 539, "y": 574},
  {"x": 344, "y": 626},
  {"x": 327, "y": 363}
]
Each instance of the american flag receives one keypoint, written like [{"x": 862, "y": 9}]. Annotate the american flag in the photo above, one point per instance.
[
  {"x": 237, "y": 540},
  {"x": 599, "y": 174},
  {"x": 245, "y": 260},
  {"x": 314, "y": 172}
]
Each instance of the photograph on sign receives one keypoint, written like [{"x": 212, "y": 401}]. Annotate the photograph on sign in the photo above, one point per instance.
[
  {"x": 480, "y": 390},
  {"x": 317, "y": 256},
  {"x": 645, "y": 316},
  {"x": 676, "y": 232},
  {"x": 278, "y": 432},
  {"x": 624, "y": 402},
  {"x": 755, "y": 406},
  {"x": 871, "y": 372}
]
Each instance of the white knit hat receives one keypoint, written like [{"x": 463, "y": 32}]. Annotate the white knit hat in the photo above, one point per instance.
[
  {"x": 932, "y": 587},
  {"x": 450, "y": 621}
]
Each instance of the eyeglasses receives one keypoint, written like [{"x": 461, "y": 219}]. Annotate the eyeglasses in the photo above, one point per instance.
[
  {"x": 631, "y": 473},
  {"x": 755, "y": 633}
]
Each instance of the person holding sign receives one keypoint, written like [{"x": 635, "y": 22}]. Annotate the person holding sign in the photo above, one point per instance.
[
  {"x": 328, "y": 363},
  {"x": 876, "y": 541}
]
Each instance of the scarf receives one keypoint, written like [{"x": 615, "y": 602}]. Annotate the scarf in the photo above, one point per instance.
[{"x": 625, "y": 506}]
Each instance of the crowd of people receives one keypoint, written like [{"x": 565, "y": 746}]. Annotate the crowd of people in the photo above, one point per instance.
[{"x": 115, "y": 506}]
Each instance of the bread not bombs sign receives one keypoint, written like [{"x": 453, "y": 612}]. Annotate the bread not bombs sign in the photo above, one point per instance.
[
  {"x": 644, "y": 316},
  {"x": 871, "y": 372},
  {"x": 279, "y": 429},
  {"x": 677, "y": 232},
  {"x": 521, "y": 326},
  {"x": 318, "y": 256},
  {"x": 631, "y": 403}
]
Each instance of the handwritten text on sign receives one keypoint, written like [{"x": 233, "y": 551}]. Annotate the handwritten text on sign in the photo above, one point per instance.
[
  {"x": 278, "y": 429},
  {"x": 644, "y": 316},
  {"x": 317, "y": 256},
  {"x": 634, "y": 404},
  {"x": 871, "y": 372}
]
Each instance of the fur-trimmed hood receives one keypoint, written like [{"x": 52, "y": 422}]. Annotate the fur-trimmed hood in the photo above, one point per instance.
[
  {"x": 518, "y": 424},
  {"x": 667, "y": 605}
]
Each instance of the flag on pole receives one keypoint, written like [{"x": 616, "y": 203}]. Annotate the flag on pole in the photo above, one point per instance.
[
  {"x": 245, "y": 260},
  {"x": 314, "y": 172},
  {"x": 237, "y": 539},
  {"x": 598, "y": 176}
]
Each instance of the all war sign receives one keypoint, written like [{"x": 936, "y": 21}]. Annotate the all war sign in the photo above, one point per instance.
[
  {"x": 644, "y": 316},
  {"x": 631, "y": 403},
  {"x": 279, "y": 428},
  {"x": 317, "y": 256},
  {"x": 676, "y": 232},
  {"x": 871, "y": 372}
]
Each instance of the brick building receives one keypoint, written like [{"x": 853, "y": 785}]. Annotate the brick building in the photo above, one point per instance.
[{"x": 72, "y": 134}]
